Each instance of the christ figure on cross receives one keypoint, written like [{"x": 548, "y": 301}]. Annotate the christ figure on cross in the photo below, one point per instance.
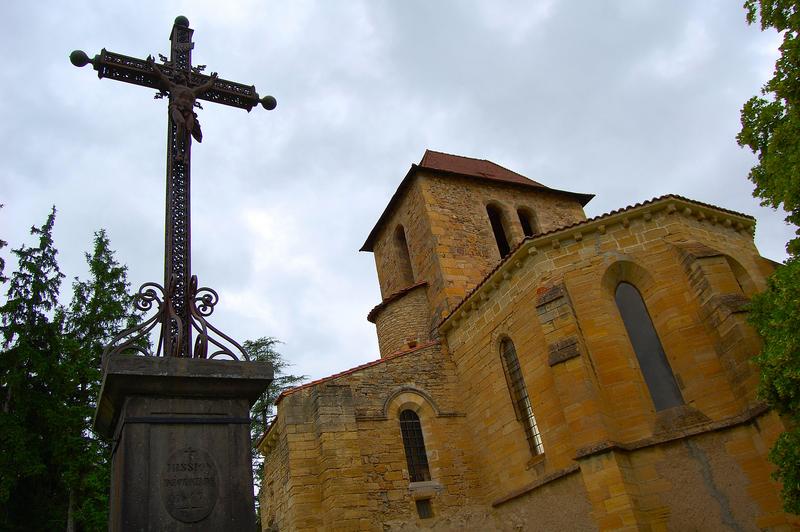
[{"x": 181, "y": 107}]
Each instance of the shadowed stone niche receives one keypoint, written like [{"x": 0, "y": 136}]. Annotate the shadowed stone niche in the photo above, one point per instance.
[{"x": 181, "y": 441}]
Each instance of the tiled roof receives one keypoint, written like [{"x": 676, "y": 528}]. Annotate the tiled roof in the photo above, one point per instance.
[
  {"x": 578, "y": 224},
  {"x": 459, "y": 166}
]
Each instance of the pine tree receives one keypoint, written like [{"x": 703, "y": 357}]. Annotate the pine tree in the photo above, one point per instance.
[
  {"x": 53, "y": 470},
  {"x": 100, "y": 308},
  {"x": 32, "y": 416}
]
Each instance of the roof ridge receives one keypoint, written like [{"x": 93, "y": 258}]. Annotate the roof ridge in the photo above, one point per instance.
[
  {"x": 474, "y": 159},
  {"x": 427, "y": 150}
]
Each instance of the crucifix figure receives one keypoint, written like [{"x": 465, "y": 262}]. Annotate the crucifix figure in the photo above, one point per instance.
[
  {"x": 182, "y": 101},
  {"x": 182, "y": 306}
]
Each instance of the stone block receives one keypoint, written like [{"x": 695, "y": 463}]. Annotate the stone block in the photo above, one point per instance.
[{"x": 182, "y": 458}]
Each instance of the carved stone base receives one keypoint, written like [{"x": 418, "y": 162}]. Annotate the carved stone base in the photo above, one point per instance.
[{"x": 181, "y": 429}]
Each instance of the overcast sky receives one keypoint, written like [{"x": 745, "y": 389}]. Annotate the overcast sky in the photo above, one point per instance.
[{"x": 625, "y": 99}]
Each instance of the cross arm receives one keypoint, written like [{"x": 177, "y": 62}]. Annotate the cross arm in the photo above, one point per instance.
[{"x": 138, "y": 72}]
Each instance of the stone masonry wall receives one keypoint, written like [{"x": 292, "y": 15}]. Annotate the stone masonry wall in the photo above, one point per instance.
[
  {"x": 404, "y": 322},
  {"x": 463, "y": 239},
  {"x": 346, "y": 467},
  {"x": 335, "y": 458},
  {"x": 410, "y": 212},
  {"x": 554, "y": 299},
  {"x": 450, "y": 239}
]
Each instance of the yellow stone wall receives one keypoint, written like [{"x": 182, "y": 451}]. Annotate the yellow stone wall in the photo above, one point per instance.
[
  {"x": 411, "y": 213},
  {"x": 555, "y": 299},
  {"x": 403, "y": 322},
  {"x": 335, "y": 458},
  {"x": 451, "y": 244}
]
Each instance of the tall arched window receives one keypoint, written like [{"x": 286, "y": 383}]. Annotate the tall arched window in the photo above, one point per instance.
[
  {"x": 519, "y": 396},
  {"x": 496, "y": 219},
  {"x": 652, "y": 360},
  {"x": 528, "y": 221},
  {"x": 414, "y": 445},
  {"x": 406, "y": 274}
]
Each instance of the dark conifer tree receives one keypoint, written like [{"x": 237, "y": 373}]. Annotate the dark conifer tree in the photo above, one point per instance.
[
  {"x": 100, "y": 308},
  {"x": 54, "y": 473},
  {"x": 32, "y": 387}
]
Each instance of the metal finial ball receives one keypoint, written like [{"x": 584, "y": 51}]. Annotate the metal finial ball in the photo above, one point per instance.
[
  {"x": 180, "y": 20},
  {"x": 79, "y": 58},
  {"x": 268, "y": 103}
]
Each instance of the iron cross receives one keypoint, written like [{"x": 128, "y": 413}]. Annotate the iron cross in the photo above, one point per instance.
[{"x": 182, "y": 306}]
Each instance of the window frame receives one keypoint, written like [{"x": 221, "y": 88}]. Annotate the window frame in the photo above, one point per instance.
[
  {"x": 497, "y": 221},
  {"x": 520, "y": 399},
  {"x": 528, "y": 222},
  {"x": 414, "y": 446},
  {"x": 654, "y": 366}
]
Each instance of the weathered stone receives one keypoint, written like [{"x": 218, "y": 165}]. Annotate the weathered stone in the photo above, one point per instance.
[
  {"x": 181, "y": 460},
  {"x": 610, "y": 460}
]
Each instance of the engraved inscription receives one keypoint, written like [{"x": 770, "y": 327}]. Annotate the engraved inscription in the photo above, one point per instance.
[{"x": 189, "y": 487}]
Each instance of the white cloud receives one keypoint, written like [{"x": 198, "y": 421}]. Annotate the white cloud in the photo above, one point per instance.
[{"x": 626, "y": 100}]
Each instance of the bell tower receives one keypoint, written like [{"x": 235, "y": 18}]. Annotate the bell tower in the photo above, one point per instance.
[{"x": 450, "y": 222}]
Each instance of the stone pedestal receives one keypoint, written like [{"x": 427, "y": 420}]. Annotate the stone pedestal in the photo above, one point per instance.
[{"x": 181, "y": 430}]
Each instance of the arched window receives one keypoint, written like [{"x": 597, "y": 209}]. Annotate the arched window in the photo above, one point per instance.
[
  {"x": 496, "y": 219},
  {"x": 528, "y": 221},
  {"x": 406, "y": 274},
  {"x": 652, "y": 360},
  {"x": 519, "y": 396},
  {"x": 414, "y": 444}
]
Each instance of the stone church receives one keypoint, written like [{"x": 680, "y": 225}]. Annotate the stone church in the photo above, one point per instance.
[{"x": 538, "y": 370}]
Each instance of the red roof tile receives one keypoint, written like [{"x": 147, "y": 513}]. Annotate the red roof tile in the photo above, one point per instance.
[{"x": 458, "y": 164}]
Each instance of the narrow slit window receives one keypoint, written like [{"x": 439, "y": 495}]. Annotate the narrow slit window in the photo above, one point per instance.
[
  {"x": 414, "y": 445},
  {"x": 496, "y": 219},
  {"x": 424, "y": 508},
  {"x": 519, "y": 396},
  {"x": 528, "y": 222},
  {"x": 653, "y": 361},
  {"x": 406, "y": 274}
]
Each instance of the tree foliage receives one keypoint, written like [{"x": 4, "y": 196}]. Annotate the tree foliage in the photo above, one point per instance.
[
  {"x": 32, "y": 418},
  {"x": 771, "y": 129},
  {"x": 100, "y": 307},
  {"x": 53, "y": 471},
  {"x": 771, "y": 121},
  {"x": 775, "y": 313}
]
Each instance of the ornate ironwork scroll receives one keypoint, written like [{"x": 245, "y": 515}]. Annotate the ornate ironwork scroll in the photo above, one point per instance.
[
  {"x": 210, "y": 342},
  {"x": 181, "y": 307}
]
